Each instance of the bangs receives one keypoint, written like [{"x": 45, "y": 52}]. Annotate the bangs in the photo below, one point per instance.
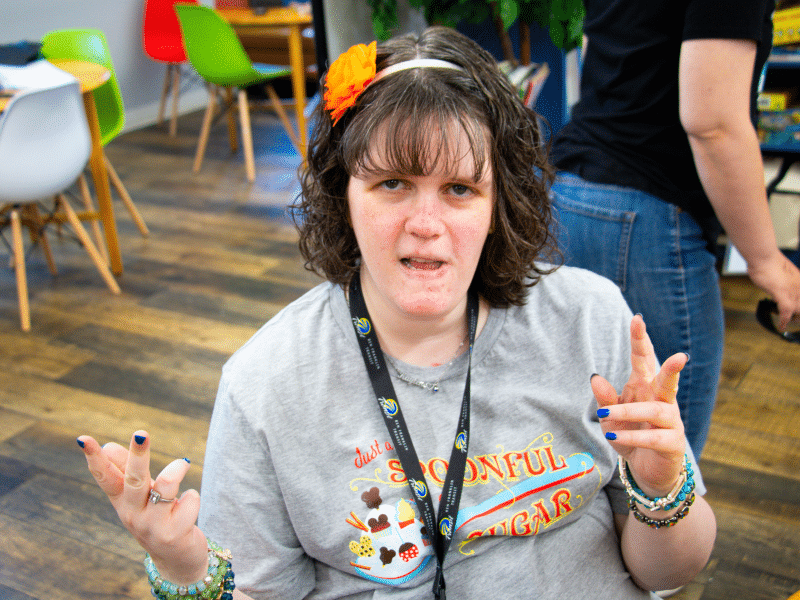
[{"x": 415, "y": 129}]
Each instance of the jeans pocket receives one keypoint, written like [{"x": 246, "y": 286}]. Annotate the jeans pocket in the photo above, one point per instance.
[{"x": 594, "y": 238}]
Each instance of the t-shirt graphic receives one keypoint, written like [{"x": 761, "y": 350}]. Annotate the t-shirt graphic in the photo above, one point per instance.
[{"x": 508, "y": 493}]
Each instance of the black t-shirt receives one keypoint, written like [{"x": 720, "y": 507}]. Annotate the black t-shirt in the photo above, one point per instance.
[{"x": 625, "y": 130}]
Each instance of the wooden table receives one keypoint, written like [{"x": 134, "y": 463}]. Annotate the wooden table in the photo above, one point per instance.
[
  {"x": 245, "y": 19},
  {"x": 91, "y": 76}
]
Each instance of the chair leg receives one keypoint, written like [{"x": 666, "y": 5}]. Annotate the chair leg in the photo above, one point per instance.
[
  {"x": 234, "y": 142},
  {"x": 39, "y": 236},
  {"x": 19, "y": 269},
  {"x": 126, "y": 199},
  {"x": 278, "y": 106},
  {"x": 176, "y": 89},
  {"x": 90, "y": 248},
  {"x": 247, "y": 136},
  {"x": 206, "y": 128},
  {"x": 89, "y": 206},
  {"x": 164, "y": 93}
]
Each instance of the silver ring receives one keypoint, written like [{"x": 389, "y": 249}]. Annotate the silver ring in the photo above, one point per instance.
[{"x": 155, "y": 498}]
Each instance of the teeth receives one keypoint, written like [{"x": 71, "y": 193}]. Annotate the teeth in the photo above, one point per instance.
[{"x": 422, "y": 265}]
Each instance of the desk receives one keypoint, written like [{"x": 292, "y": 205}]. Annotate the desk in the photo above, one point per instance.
[
  {"x": 245, "y": 19},
  {"x": 91, "y": 76}
]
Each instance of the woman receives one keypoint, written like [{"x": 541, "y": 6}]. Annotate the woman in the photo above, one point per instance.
[
  {"x": 661, "y": 149},
  {"x": 426, "y": 417}
]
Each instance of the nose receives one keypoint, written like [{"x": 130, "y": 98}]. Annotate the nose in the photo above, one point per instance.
[{"x": 425, "y": 218}]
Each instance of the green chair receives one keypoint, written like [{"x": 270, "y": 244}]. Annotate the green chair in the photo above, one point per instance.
[
  {"x": 90, "y": 45},
  {"x": 217, "y": 55}
]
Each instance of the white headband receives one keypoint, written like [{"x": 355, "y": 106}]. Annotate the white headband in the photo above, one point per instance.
[{"x": 431, "y": 63}]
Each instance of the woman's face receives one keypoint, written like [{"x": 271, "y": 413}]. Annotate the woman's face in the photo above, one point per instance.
[{"x": 421, "y": 236}]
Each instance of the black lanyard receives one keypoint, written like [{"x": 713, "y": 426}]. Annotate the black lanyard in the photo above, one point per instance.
[{"x": 440, "y": 530}]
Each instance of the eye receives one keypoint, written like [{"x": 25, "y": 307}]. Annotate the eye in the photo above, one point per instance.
[
  {"x": 392, "y": 184},
  {"x": 460, "y": 190}
]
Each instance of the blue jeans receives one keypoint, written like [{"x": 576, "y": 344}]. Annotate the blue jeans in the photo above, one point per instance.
[{"x": 656, "y": 254}]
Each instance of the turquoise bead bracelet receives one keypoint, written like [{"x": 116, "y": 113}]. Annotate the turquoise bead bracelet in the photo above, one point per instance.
[
  {"x": 218, "y": 583},
  {"x": 677, "y": 496}
]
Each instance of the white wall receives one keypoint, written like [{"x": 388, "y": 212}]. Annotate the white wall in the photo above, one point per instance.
[{"x": 140, "y": 78}]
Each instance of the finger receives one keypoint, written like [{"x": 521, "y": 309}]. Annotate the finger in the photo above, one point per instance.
[
  {"x": 643, "y": 356},
  {"x": 665, "y": 441},
  {"x": 604, "y": 392},
  {"x": 137, "y": 472},
  {"x": 665, "y": 385},
  {"x": 169, "y": 480},
  {"x": 655, "y": 414},
  {"x": 187, "y": 509},
  {"x": 117, "y": 454},
  {"x": 105, "y": 473}
]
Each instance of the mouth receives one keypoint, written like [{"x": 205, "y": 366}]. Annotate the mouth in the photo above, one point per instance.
[{"x": 421, "y": 264}]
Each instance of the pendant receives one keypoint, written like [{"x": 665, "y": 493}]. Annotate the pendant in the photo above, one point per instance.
[{"x": 435, "y": 388}]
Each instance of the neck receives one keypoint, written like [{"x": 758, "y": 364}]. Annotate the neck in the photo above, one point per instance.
[{"x": 421, "y": 341}]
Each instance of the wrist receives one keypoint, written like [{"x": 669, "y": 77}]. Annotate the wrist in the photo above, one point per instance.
[
  {"x": 215, "y": 583},
  {"x": 657, "y": 500}
]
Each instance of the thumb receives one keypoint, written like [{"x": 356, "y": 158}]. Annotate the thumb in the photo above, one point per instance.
[{"x": 604, "y": 392}]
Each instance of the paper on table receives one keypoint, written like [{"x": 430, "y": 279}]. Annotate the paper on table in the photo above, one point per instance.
[{"x": 38, "y": 75}]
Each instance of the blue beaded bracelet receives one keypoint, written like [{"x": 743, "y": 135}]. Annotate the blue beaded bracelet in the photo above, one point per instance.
[
  {"x": 674, "y": 499},
  {"x": 218, "y": 584}
]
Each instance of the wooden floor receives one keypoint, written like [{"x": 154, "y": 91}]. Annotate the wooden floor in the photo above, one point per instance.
[{"x": 220, "y": 261}]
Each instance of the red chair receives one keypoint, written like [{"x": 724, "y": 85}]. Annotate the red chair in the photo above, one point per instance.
[{"x": 161, "y": 36}]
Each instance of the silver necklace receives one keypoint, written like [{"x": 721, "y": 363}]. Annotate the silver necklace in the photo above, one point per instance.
[{"x": 426, "y": 385}]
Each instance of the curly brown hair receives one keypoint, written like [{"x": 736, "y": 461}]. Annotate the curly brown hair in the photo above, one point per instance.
[{"x": 406, "y": 107}]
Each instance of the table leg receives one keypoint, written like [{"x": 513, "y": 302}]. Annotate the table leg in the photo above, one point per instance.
[
  {"x": 97, "y": 165},
  {"x": 298, "y": 81}
]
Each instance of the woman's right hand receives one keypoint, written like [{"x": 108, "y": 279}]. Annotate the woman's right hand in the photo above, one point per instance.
[
  {"x": 780, "y": 278},
  {"x": 166, "y": 530}
]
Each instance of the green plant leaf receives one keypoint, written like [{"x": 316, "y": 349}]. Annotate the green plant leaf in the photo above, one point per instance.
[{"x": 509, "y": 12}]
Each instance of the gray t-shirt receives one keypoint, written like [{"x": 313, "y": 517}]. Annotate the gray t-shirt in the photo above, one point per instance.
[{"x": 302, "y": 483}]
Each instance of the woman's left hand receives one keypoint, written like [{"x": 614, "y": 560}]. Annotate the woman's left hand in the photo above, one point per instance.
[{"x": 643, "y": 423}]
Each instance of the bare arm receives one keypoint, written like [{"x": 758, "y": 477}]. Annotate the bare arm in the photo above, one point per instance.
[
  {"x": 714, "y": 82},
  {"x": 666, "y": 558}
]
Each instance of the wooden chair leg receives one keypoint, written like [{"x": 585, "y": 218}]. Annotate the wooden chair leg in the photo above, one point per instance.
[
  {"x": 164, "y": 93},
  {"x": 39, "y": 236},
  {"x": 176, "y": 89},
  {"x": 206, "y": 128},
  {"x": 19, "y": 270},
  {"x": 90, "y": 248},
  {"x": 247, "y": 136},
  {"x": 231, "y": 121},
  {"x": 126, "y": 199},
  {"x": 99, "y": 240},
  {"x": 278, "y": 106}
]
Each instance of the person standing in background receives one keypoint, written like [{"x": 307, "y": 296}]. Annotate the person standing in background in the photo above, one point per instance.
[{"x": 660, "y": 150}]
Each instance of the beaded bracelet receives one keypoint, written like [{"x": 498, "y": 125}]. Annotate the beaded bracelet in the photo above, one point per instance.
[
  {"x": 676, "y": 496},
  {"x": 659, "y": 523},
  {"x": 218, "y": 583}
]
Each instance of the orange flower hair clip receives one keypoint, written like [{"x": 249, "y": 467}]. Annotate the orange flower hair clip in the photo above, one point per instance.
[{"x": 348, "y": 76}]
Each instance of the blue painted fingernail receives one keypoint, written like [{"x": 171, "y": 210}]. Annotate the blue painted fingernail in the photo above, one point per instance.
[
  {"x": 603, "y": 412},
  {"x": 139, "y": 439},
  {"x": 688, "y": 357},
  {"x": 592, "y": 376},
  {"x": 187, "y": 460},
  {"x": 611, "y": 436},
  {"x": 81, "y": 443}
]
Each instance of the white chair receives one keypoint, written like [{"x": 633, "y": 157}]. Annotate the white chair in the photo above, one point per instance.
[{"x": 44, "y": 146}]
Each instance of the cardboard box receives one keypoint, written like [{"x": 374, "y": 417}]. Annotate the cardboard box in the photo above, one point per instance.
[
  {"x": 786, "y": 26},
  {"x": 776, "y": 100}
]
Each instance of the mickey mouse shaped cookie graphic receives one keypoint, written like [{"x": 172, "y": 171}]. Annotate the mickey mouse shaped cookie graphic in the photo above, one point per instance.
[{"x": 392, "y": 547}]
